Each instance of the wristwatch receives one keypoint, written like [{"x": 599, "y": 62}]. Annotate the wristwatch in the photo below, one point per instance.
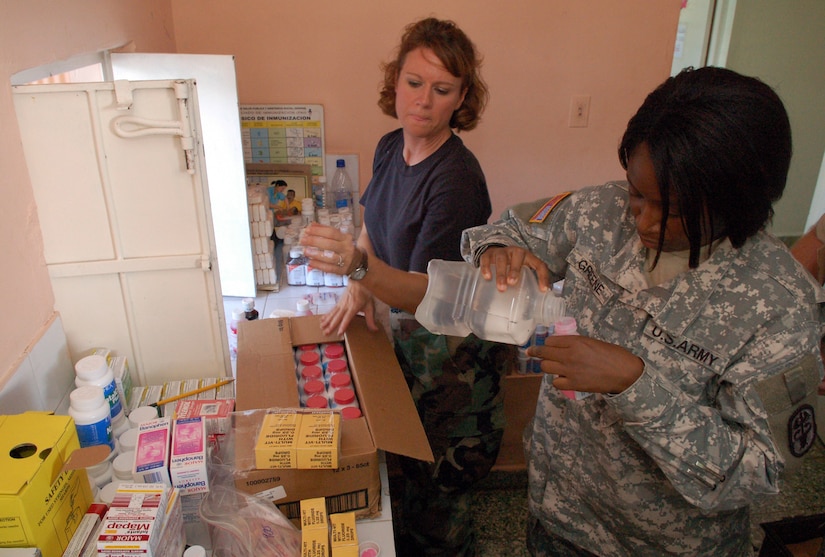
[{"x": 361, "y": 270}]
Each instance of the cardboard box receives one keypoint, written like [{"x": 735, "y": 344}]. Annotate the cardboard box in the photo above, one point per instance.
[
  {"x": 266, "y": 379},
  {"x": 520, "y": 395},
  {"x": 41, "y": 505}
]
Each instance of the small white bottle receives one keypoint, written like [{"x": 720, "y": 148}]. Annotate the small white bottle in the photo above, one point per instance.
[
  {"x": 142, "y": 414},
  {"x": 128, "y": 440},
  {"x": 194, "y": 551},
  {"x": 238, "y": 315},
  {"x": 92, "y": 416},
  {"x": 302, "y": 308},
  {"x": 122, "y": 467}
]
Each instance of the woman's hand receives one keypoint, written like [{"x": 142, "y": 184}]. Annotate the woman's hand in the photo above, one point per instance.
[
  {"x": 586, "y": 364},
  {"x": 329, "y": 249},
  {"x": 508, "y": 262},
  {"x": 355, "y": 299}
]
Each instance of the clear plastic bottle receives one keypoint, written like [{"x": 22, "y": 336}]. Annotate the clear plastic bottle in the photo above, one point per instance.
[
  {"x": 319, "y": 192},
  {"x": 459, "y": 301},
  {"x": 296, "y": 268},
  {"x": 341, "y": 187}
]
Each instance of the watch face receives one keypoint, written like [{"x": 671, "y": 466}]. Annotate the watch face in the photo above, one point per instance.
[{"x": 358, "y": 273}]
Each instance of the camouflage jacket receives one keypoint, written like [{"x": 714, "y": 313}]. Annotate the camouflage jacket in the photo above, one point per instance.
[{"x": 671, "y": 464}]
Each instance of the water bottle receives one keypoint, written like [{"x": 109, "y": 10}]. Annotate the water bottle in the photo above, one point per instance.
[
  {"x": 459, "y": 301},
  {"x": 341, "y": 187}
]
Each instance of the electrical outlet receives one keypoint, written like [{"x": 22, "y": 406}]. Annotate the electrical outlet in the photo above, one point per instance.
[{"x": 579, "y": 111}]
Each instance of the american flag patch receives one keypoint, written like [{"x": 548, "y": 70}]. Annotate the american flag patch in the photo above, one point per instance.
[{"x": 545, "y": 210}]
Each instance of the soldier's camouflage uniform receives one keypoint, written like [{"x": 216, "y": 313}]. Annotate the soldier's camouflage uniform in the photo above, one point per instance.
[
  {"x": 725, "y": 403},
  {"x": 456, "y": 386}
]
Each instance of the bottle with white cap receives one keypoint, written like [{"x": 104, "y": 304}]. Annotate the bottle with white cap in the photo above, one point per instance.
[
  {"x": 90, "y": 412},
  {"x": 95, "y": 370},
  {"x": 142, "y": 414},
  {"x": 194, "y": 551},
  {"x": 122, "y": 467}
]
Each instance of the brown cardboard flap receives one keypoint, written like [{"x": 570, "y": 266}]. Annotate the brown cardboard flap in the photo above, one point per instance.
[{"x": 385, "y": 398}]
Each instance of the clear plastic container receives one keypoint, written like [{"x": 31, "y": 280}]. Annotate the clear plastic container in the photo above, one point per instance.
[{"x": 459, "y": 301}]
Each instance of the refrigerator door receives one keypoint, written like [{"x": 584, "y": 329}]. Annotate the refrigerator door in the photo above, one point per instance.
[{"x": 122, "y": 199}]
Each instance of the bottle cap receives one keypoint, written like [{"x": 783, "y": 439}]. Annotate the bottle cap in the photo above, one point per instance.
[
  {"x": 336, "y": 366},
  {"x": 340, "y": 163},
  {"x": 344, "y": 396},
  {"x": 88, "y": 397},
  {"x": 314, "y": 387},
  {"x": 340, "y": 380},
  {"x": 248, "y": 304},
  {"x": 309, "y": 358},
  {"x": 142, "y": 414},
  {"x": 565, "y": 326},
  {"x": 123, "y": 465},
  {"x": 91, "y": 367},
  {"x": 333, "y": 351},
  {"x": 309, "y": 373},
  {"x": 303, "y": 305},
  {"x": 350, "y": 413},
  {"x": 317, "y": 401},
  {"x": 296, "y": 252}
]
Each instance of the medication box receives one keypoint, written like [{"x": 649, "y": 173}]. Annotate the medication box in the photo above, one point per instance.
[
  {"x": 40, "y": 504},
  {"x": 187, "y": 466},
  {"x": 266, "y": 379},
  {"x": 152, "y": 452}
]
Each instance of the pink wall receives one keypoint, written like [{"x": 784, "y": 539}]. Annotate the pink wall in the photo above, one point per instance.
[
  {"x": 34, "y": 33},
  {"x": 538, "y": 54}
]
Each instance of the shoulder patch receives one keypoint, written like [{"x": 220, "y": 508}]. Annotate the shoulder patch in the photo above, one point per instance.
[
  {"x": 801, "y": 430},
  {"x": 542, "y": 214}
]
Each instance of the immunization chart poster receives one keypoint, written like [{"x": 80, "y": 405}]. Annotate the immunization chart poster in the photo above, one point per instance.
[{"x": 284, "y": 134}]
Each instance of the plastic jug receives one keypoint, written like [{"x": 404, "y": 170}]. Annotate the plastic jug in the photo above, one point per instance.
[{"x": 459, "y": 301}]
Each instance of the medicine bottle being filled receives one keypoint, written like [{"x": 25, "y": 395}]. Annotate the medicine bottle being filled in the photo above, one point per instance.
[{"x": 567, "y": 326}]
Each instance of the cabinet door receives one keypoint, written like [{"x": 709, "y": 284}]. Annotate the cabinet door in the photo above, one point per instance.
[
  {"x": 122, "y": 202},
  {"x": 224, "y": 167}
]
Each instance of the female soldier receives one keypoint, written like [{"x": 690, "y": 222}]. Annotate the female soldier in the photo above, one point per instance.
[{"x": 699, "y": 331}]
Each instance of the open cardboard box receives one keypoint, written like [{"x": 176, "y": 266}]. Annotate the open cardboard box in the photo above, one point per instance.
[{"x": 390, "y": 422}]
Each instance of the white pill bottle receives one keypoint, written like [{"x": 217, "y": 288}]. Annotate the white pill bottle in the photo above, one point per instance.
[
  {"x": 90, "y": 412},
  {"x": 95, "y": 370}
]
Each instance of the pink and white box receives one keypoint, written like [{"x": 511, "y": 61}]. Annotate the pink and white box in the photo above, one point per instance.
[
  {"x": 152, "y": 451},
  {"x": 188, "y": 463}
]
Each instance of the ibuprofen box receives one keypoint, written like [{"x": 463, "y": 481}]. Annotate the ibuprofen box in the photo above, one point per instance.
[
  {"x": 266, "y": 379},
  {"x": 40, "y": 505}
]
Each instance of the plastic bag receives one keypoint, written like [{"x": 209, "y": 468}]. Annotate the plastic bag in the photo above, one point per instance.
[{"x": 243, "y": 525}]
